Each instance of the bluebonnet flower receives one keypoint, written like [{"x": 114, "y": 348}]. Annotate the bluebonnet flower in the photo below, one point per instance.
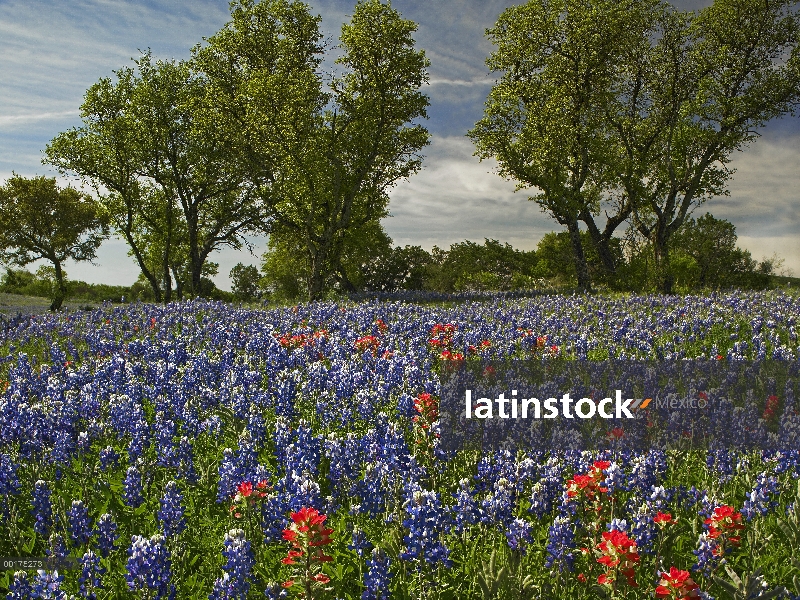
[
  {"x": 518, "y": 535},
  {"x": 80, "y": 526},
  {"x": 19, "y": 588},
  {"x": 498, "y": 507},
  {"x": 149, "y": 566},
  {"x": 405, "y": 406},
  {"x": 230, "y": 475},
  {"x": 91, "y": 571},
  {"x": 47, "y": 586},
  {"x": 615, "y": 478},
  {"x": 618, "y": 525},
  {"x": 165, "y": 431},
  {"x": 427, "y": 520},
  {"x": 235, "y": 581},
  {"x": 171, "y": 512},
  {"x": 759, "y": 499},
  {"x": 9, "y": 484},
  {"x": 57, "y": 548},
  {"x": 109, "y": 458},
  {"x": 466, "y": 510},
  {"x": 360, "y": 543},
  {"x": 560, "y": 545},
  {"x": 185, "y": 461},
  {"x": 42, "y": 508},
  {"x": 106, "y": 534},
  {"x": 706, "y": 558},
  {"x": 377, "y": 578},
  {"x": 132, "y": 494},
  {"x": 274, "y": 520},
  {"x": 275, "y": 591},
  {"x": 545, "y": 491}
]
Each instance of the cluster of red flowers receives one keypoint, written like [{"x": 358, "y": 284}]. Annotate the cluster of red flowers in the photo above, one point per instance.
[
  {"x": 441, "y": 339},
  {"x": 301, "y": 339},
  {"x": 722, "y": 524},
  {"x": 442, "y": 335},
  {"x": 676, "y": 585},
  {"x": 307, "y": 534},
  {"x": 618, "y": 555},
  {"x": 247, "y": 496},
  {"x": 588, "y": 485},
  {"x": 663, "y": 519},
  {"x": 382, "y": 326},
  {"x": 428, "y": 408},
  {"x": 484, "y": 345},
  {"x": 367, "y": 342},
  {"x": 771, "y": 408}
]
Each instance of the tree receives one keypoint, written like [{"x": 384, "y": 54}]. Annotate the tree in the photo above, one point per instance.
[
  {"x": 543, "y": 119},
  {"x": 715, "y": 260},
  {"x": 152, "y": 148},
  {"x": 698, "y": 92},
  {"x": 245, "y": 281},
  {"x": 322, "y": 161},
  {"x": 40, "y": 221},
  {"x": 106, "y": 153}
]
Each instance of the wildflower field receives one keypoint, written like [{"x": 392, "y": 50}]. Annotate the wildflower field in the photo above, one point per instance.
[{"x": 201, "y": 450}]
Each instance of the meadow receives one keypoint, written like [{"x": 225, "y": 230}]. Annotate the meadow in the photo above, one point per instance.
[{"x": 205, "y": 450}]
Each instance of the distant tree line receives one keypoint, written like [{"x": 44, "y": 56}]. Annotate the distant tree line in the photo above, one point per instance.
[
  {"x": 705, "y": 257},
  {"x": 619, "y": 115}
]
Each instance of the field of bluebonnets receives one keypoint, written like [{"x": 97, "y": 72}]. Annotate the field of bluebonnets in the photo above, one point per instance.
[{"x": 202, "y": 450}]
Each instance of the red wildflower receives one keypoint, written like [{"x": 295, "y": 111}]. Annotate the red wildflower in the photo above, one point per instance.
[
  {"x": 307, "y": 533},
  {"x": 723, "y": 522},
  {"x": 663, "y": 519},
  {"x": 619, "y": 555},
  {"x": 676, "y": 585},
  {"x": 368, "y": 342}
]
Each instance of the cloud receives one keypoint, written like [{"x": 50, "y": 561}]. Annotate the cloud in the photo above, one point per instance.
[
  {"x": 14, "y": 120},
  {"x": 461, "y": 82},
  {"x": 457, "y": 197},
  {"x": 764, "y": 196}
]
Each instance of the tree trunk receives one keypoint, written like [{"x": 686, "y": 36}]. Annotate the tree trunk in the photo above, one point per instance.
[
  {"x": 345, "y": 281},
  {"x": 61, "y": 289},
  {"x": 316, "y": 278},
  {"x": 665, "y": 280},
  {"x": 176, "y": 276},
  {"x": 581, "y": 268},
  {"x": 145, "y": 271}
]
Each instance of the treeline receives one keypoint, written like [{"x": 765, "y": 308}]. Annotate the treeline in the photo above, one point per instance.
[
  {"x": 619, "y": 117},
  {"x": 42, "y": 283},
  {"x": 705, "y": 257}
]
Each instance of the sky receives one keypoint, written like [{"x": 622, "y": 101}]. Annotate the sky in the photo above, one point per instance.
[{"x": 51, "y": 51}]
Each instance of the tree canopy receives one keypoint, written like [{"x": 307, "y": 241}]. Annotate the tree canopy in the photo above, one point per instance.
[
  {"x": 632, "y": 109},
  {"x": 40, "y": 221},
  {"x": 323, "y": 160}
]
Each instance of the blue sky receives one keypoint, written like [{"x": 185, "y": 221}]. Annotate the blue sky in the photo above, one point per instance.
[{"x": 51, "y": 51}]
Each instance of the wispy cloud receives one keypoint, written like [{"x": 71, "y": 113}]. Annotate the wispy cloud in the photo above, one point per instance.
[
  {"x": 461, "y": 82},
  {"x": 22, "y": 119}
]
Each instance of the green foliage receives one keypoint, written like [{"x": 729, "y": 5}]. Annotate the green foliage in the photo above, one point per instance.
[
  {"x": 322, "y": 161},
  {"x": 42, "y": 283},
  {"x": 245, "y": 282},
  {"x": 158, "y": 158},
  {"x": 468, "y": 266},
  {"x": 632, "y": 110},
  {"x": 40, "y": 221}
]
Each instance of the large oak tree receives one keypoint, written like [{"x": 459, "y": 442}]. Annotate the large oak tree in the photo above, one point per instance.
[
  {"x": 323, "y": 157},
  {"x": 40, "y": 221}
]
